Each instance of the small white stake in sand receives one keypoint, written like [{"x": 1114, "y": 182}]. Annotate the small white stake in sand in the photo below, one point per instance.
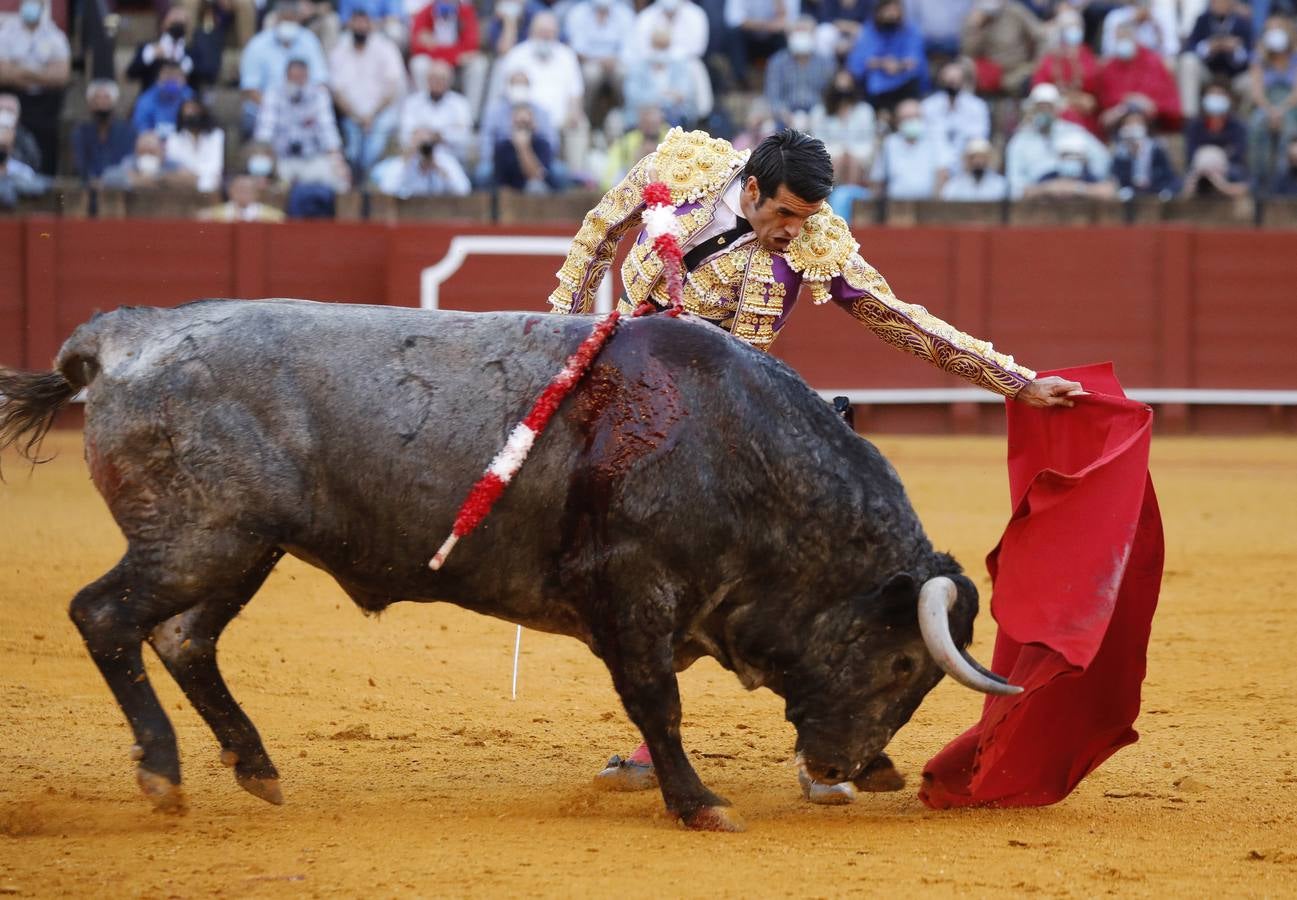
[{"x": 517, "y": 646}]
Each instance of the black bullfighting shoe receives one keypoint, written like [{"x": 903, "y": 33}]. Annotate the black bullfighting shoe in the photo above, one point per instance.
[{"x": 634, "y": 773}]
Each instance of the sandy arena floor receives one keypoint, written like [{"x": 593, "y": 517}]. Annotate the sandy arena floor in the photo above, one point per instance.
[{"x": 408, "y": 770}]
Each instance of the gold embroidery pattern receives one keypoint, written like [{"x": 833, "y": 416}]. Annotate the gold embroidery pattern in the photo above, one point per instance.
[
  {"x": 711, "y": 290},
  {"x": 694, "y": 164},
  {"x": 820, "y": 252},
  {"x": 595, "y": 243},
  {"x": 762, "y": 301},
  {"x": 914, "y": 330},
  {"x": 642, "y": 267}
]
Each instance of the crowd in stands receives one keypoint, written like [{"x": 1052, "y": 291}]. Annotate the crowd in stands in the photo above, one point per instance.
[{"x": 961, "y": 100}]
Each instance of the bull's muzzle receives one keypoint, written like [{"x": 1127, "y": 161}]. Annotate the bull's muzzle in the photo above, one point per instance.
[{"x": 936, "y": 598}]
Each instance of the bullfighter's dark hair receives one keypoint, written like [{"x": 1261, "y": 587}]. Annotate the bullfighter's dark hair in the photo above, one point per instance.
[{"x": 794, "y": 160}]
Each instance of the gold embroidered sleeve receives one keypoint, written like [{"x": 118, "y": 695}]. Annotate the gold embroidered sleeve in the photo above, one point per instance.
[
  {"x": 863, "y": 292},
  {"x": 595, "y": 243}
]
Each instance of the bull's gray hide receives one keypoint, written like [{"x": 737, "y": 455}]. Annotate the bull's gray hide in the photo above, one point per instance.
[{"x": 691, "y": 498}]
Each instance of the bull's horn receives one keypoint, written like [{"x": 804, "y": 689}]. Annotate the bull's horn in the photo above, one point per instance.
[{"x": 936, "y": 598}]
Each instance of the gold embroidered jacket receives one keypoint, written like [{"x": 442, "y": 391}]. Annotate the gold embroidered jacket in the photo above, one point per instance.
[{"x": 748, "y": 290}]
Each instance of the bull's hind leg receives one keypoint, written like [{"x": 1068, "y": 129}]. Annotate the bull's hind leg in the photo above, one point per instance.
[
  {"x": 186, "y": 644},
  {"x": 116, "y": 613}
]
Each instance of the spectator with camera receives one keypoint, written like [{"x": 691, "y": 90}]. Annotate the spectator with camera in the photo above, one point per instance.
[
  {"x": 427, "y": 168},
  {"x": 35, "y": 64},
  {"x": 524, "y": 161},
  {"x": 297, "y": 121},
  {"x": 497, "y": 121},
  {"x": 105, "y": 139},
  {"x": 434, "y": 106},
  {"x": 368, "y": 86}
]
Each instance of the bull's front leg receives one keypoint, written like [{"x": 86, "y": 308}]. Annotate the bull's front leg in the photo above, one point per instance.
[{"x": 644, "y": 676}]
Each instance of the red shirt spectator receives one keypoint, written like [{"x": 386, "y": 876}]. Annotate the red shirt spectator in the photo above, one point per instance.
[
  {"x": 446, "y": 30},
  {"x": 1071, "y": 66},
  {"x": 1138, "y": 78}
]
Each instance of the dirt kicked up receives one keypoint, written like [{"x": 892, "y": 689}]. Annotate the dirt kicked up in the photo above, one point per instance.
[{"x": 407, "y": 770}]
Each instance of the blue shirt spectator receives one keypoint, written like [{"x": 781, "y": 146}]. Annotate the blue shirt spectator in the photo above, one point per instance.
[
  {"x": 1222, "y": 39},
  {"x": 940, "y": 21},
  {"x": 888, "y": 60},
  {"x": 378, "y": 10},
  {"x": 265, "y": 59},
  {"x": 103, "y": 140},
  {"x": 159, "y": 106}
]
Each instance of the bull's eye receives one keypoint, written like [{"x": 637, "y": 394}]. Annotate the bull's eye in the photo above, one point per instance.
[{"x": 903, "y": 666}]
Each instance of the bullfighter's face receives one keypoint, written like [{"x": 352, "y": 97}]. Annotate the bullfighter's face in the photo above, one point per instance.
[{"x": 776, "y": 220}]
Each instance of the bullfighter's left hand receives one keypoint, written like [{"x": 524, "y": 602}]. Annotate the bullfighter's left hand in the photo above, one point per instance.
[{"x": 1051, "y": 391}]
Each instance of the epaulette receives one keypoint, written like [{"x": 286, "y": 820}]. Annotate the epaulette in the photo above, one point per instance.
[
  {"x": 694, "y": 164},
  {"x": 821, "y": 252}
]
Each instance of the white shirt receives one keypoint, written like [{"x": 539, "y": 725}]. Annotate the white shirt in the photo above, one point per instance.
[
  {"x": 688, "y": 29},
  {"x": 556, "y": 82},
  {"x": 32, "y": 48},
  {"x": 595, "y": 38},
  {"x": 964, "y": 187},
  {"x": 967, "y": 118},
  {"x": 202, "y": 154},
  {"x": 1031, "y": 154},
  {"x": 450, "y": 116},
  {"x": 1161, "y": 33},
  {"x": 910, "y": 169},
  {"x": 407, "y": 177},
  {"x": 728, "y": 212},
  {"x": 367, "y": 79}
]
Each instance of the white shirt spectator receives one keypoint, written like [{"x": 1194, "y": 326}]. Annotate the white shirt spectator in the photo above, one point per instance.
[
  {"x": 687, "y": 26},
  {"x": 32, "y": 48},
  {"x": 965, "y": 119},
  {"x": 449, "y": 115},
  {"x": 1032, "y": 154},
  {"x": 909, "y": 168},
  {"x": 407, "y": 177},
  {"x": 1160, "y": 33},
  {"x": 591, "y": 38},
  {"x": 556, "y": 83},
  {"x": 739, "y": 11},
  {"x": 367, "y": 79},
  {"x": 991, "y": 187},
  {"x": 298, "y": 122},
  {"x": 202, "y": 153},
  {"x": 853, "y": 133}
]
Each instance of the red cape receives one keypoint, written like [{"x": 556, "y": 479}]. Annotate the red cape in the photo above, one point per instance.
[{"x": 1076, "y": 578}]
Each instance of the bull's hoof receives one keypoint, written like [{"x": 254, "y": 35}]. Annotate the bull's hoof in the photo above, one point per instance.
[
  {"x": 165, "y": 795},
  {"x": 624, "y": 775},
  {"x": 714, "y": 818},
  {"x": 881, "y": 778},
  {"x": 265, "y": 788}
]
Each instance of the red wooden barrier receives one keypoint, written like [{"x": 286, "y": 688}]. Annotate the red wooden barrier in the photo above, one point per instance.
[{"x": 1174, "y": 308}]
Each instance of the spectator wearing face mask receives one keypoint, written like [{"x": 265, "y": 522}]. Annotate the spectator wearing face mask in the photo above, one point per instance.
[
  {"x": 1217, "y": 126},
  {"x": 556, "y": 84},
  {"x": 297, "y": 121},
  {"x": 17, "y": 179},
  {"x": 941, "y": 22},
  {"x": 1208, "y": 176},
  {"x": 757, "y": 31},
  {"x": 368, "y": 78},
  {"x": 158, "y": 108},
  {"x": 426, "y": 168},
  {"x": 244, "y": 204},
  {"x": 261, "y": 164},
  {"x": 1034, "y": 149},
  {"x": 1151, "y": 26},
  {"x": 797, "y": 76},
  {"x": 25, "y": 149},
  {"x": 1218, "y": 48},
  {"x": 198, "y": 146},
  {"x": 846, "y": 125},
  {"x": 1136, "y": 78},
  {"x": 888, "y": 61},
  {"x": 914, "y": 162},
  {"x": 147, "y": 168},
  {"x": 684, "y": 21},
  {"x": 599, "y": 31},
  {"x": 1070, "y": 65},
  {"x": 170, "y": 46},
  {"x": 445, "y": 30},
  {"x": 1140, "y": 163},
  {"x": 385, "y": 16},
  {"x": 954, "y": 111},
  {"x": 1071, "y": 175},
  {"x": 978, "y": 181},
  {"x": 497, "y": 121},
  {"x": 1274, "y": 98},
  {"x": 524, "y": 161},
  {"x": 265, "y": 59},
  {"x": 662, "y": 80},
  {"x": 104, "y": 139},
  {"x": 434, "y": 107},
  {"x": 1003, "y": 39},
  {"x": 35, "y": 65}
]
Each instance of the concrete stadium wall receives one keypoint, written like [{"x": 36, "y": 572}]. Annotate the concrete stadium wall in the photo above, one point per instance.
[{"x": 1172, "y": 307}]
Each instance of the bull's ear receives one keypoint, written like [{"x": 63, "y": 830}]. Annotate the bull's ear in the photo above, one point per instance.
[{"x": 895, "y": 604}]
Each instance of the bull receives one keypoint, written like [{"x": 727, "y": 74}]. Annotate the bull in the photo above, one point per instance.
[{"x": 693, "y": 497}]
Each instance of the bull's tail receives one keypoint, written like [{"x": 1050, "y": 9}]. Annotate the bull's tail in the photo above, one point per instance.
[{"x": 29, "y": 400}]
